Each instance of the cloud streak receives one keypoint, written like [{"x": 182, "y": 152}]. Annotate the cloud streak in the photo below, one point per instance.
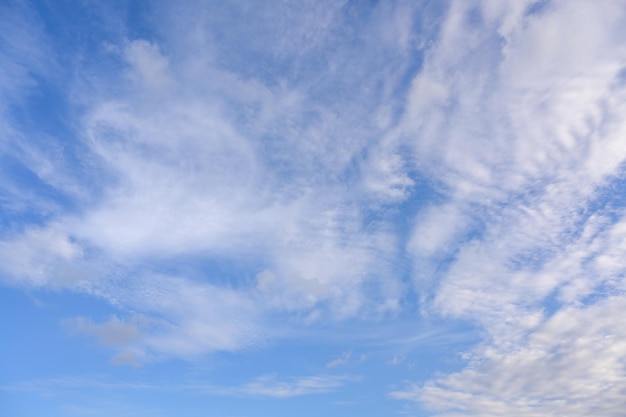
[{"x": 269, "y": 386}]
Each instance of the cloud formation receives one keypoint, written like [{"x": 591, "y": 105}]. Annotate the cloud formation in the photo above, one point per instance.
[
  {"x": 265, "y": 386},
  {"x": 239, "y": 172},
  {"x": 525, "y": 135}
]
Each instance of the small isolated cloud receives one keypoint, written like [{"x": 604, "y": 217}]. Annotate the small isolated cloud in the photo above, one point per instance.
[
  {"x": 271, "y": 386},
  {"x": 397, "y": 360},
  {"x": 341, "y": 360}
]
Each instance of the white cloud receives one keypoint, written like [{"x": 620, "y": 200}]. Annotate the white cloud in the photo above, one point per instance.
[
  {"x": 40, "y": 257},
  {"x": 341, "y": 360},
  {"x": 24, "y": 52},
  {"x": 148, "y": 67},
  {"x": 303, "y": 164},
  {"x": 526, "y": 225},
  {"x": 270, "y": 386},
  {"x": 437, "y": 228},
  {"x": 495, "y": 130},
  {"x": 28, "y": 61},
  {"x": 199, "y": 159},
  {"x": 572, "y": 364},
  {"x": 179, "y": 318},
  {"x": 521, "y": 125},
  {"x": 397, "y": 360}
]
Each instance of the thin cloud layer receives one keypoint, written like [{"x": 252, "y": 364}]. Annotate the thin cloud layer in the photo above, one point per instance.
[
  {"x": 532, "y": 149},
  {"x": 230, "y": 177},
  {"x": 197, "y": 159}
]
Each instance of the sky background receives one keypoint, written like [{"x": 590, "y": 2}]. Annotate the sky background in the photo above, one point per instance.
[{"x": 338, "y": 208}]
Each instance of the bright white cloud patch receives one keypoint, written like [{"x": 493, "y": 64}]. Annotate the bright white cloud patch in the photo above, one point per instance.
[
  {"x": 533, "y": 139},
  {"x": 224, "y": 181}
]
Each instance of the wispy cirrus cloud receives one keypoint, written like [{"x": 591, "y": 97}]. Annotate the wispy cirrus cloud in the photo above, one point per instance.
[
  {"x": 321, "y": 162},
  {"x": 195, "y": 157},
  {"x": 341, "y": 360},
  {"x": 270, "y": 386}
]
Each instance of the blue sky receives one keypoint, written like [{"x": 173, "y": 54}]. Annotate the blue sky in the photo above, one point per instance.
[{"x": 372, "y": 208}]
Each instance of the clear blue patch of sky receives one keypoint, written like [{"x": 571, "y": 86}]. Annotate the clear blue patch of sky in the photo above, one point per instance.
[{"x": 39, "y": 345}]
